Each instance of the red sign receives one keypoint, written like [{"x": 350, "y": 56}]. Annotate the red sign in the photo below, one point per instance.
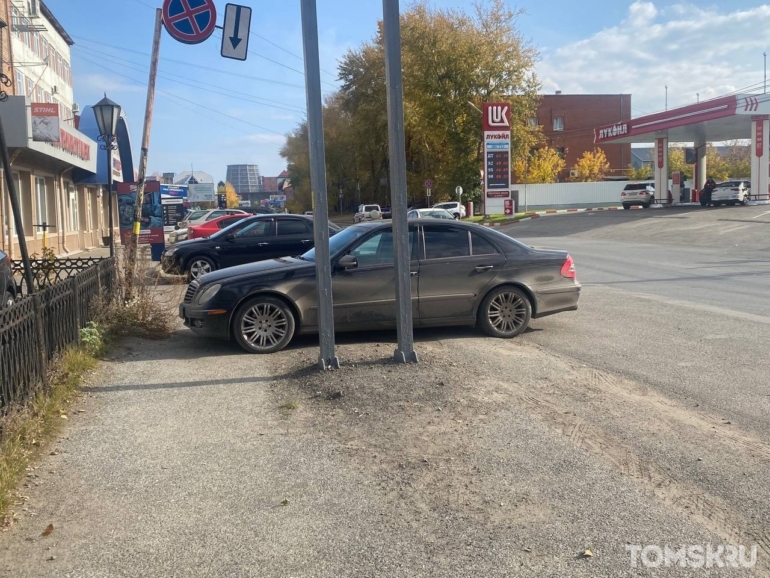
[
  {"x": 73, "y": 145},
  {"x": 189, "y": 21},
  {"x": 661, "y": 153},
  {"x": 497, "y": 116},
  {"x": 498, "y": 194},
  {"x": 759, "y": 141},
  {"x": 508, "y": 207}
]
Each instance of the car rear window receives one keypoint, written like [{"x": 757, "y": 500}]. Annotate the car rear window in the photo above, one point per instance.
[
  {"x": 368, "y": 208},
  {"x": 636, "y": 187},
  {"x": 195, "y": 215}
]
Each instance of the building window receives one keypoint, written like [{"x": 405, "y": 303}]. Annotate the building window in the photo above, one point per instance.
[
  {"x": 58, "y": 65},
  {"x": 30, "y": 88},
  {"x": 67, "y": 74},
  {"x": 562, "y": 151},
  {"x": 47, "y": 96},
  {"x": 558, "y": 123},
  {"x": 532, "y": 122},
  {"x": 19, "y": 83},
  {"x": 74, "y": 213},
  {"x": 44, "y": 49},
  {"x": 39, "y": 92},
  {"x": 42, "y": 201}
]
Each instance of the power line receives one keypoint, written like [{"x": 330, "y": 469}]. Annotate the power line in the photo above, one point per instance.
[
  {"x": 192, "y": 64},
  {"x": 231, "y": 93},
  {"x": 140, "y": 83}
]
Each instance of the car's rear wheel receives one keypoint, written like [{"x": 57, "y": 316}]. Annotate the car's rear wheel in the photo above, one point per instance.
[
  {"x": 717, "y": 203},
  {"x": 652, "y": 200},
  {"x": 625, "y": 206},
  {"x": 264, "y": 324},
  {"x": 199, "y": 266},
  {"x": 745, "y": 200},
  {"x": 505, "y": 312}
]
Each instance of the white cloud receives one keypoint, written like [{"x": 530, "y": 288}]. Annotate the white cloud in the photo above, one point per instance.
[{"x": 690, "y": 49}]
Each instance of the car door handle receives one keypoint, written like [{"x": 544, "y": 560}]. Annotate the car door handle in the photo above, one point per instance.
[
  {"x": 305, "y": 241},
  {"x": 262, "y": 244},
  {"x": 413, "y": 273},
  {"x": 482, "y": 268}
]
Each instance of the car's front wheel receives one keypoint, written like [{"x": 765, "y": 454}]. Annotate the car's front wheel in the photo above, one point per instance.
[
  {"x": 456, "y": 216},
  {"x": 263, "y": 324},
  {"x": 505, "y": 312},
  {"x": 199, "y": 266}
]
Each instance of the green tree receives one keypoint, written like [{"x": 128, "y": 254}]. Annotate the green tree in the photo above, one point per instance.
[
  {"x": 592, "y": 166},
  {"x": 642, "y": 173}
]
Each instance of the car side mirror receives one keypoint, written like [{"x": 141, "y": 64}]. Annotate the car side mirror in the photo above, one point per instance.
[
  {"x": 348, "y": 262},
  {"x": 230, "y": 237}
]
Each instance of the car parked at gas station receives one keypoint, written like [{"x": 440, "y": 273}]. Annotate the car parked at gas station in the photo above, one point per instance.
[
  {"x": 637, "y": 194},
  {"x": 731, "y": 193}
]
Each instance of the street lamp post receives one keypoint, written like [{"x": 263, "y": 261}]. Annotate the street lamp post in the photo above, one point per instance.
[{"x": 107, "y": 114}]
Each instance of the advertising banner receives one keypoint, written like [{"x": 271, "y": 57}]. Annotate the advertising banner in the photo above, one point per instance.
[
  {"x": 45, "y": 122},
  {"x": 152, "y": 213},
  {"x": 202, "y": 193},
  {"x": 173, "y": 212},
  {"x": 497, "y": 156},
  {"x": 174, "y": 191}
]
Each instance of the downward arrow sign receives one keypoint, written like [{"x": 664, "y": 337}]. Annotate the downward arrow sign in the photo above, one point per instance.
[{"x": 235, "y": 39}]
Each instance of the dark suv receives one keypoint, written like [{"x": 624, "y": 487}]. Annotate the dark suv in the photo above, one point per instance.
[{"x": 7, "y": 286}]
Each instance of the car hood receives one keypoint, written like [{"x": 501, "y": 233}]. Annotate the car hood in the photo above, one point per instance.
[
  {"x": 189, "y": 242},
  {"x": 258, "y": 269}
]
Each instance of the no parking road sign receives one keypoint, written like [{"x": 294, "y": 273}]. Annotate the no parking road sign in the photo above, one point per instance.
[{"x": 190, "y": 21}]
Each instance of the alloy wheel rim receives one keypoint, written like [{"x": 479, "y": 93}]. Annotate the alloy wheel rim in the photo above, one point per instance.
[
  {"x": 507, "y": 312},
  {"x": 200, "y": 268},
  {"x": 264, "y": 325}
]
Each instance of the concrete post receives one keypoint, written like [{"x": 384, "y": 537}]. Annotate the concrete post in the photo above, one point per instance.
[
  {"x": 760, "y": 167},
  {"x": 661, "y": 170}
]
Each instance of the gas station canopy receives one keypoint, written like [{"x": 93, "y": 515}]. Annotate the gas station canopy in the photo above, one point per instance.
[{"x": 721, "y": 119}]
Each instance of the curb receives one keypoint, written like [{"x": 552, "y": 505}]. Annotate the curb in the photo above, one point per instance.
[{"x": 539, "y": 214}]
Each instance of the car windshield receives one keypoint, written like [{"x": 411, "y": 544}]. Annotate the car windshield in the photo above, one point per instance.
[
  {"x": 195, "y": 215},
  {"x": 440, "y": 214},
  {"x": 231, "y": 228},
  {"x": 340, "y": 241}
]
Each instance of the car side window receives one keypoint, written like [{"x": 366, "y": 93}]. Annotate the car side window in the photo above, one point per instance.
[
  {"x": 480, "y": 246},
  {"x": 216, "y": 214},
  {"x": 291, "y": 227},
  {"x": 378, "y": 249},
  {"x": 258, "y": 229},
  {"x": 446, "y": 242}
]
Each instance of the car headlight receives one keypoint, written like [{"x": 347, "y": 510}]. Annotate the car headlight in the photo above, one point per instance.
[
  {"x": 209, "y": 293},
  {"x": 170, "y": 251}
]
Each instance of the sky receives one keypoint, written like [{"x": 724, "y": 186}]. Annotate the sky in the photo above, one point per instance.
[{"x": 211, "y": 112}]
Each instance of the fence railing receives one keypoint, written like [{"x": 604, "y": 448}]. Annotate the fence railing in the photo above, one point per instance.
[
  {"x": 65, "y": 306},
  {"x": 47, "y": 272}
]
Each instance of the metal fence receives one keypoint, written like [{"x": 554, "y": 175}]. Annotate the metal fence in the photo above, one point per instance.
[{"x": 64, "y": 302}]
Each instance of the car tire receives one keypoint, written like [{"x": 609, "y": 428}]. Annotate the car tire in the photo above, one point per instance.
[
  {"x": 456, "y": 216},
  {"x": 625, "y": 206},
  {"x": 505, "y": 312},
  {"x": 8, "y": 299},
  {"x": 263, "y": 324},
  {"x": 745, "y": 200},
  {"x": 717, "y": 203},
  {"x": 645, "y": 205},
  {"x": 199, "y": 266},
  {"x": 652, "y": 200}
]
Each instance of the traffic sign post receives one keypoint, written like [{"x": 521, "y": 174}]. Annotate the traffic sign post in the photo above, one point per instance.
[
  {"x": 428, "y": 186},
  {"x": 190, "y": 21},
  {"x": 235, "y": 33}
]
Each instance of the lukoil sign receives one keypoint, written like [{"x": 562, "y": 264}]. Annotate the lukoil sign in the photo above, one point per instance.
[{"x": 612, "y": 131}]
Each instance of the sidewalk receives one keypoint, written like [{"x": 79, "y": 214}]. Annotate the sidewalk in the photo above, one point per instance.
[{"x": 188, "y": 460}]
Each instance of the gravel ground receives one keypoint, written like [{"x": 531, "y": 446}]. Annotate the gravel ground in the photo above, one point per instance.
[{"x": 188, "y": 461}]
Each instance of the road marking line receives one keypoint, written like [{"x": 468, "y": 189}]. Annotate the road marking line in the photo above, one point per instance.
[{"x": 761, "y": 215}]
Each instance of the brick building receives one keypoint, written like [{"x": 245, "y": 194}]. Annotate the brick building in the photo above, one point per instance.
[{"x": 568, "y": 122}]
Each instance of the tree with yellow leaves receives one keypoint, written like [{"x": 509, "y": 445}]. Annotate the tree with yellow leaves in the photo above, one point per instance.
[
  {"x": 591, "y": 167},
  {"x": 227, "y": 189},
  {"x": 542, "y": 166}
]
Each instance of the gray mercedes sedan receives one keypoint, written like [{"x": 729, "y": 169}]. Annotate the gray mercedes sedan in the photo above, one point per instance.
[{"x": 462, "y": 274}]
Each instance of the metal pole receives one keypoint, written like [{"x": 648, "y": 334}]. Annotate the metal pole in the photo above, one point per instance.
[
  {"x": 391, "y": 25},
  {"x": 133, "y": 244},
  {"x": 323, "y": 270},
  {"x": 765, "y": 55},
  {"x": 667, "y": 97},
  {"x": 109, "y": 199}
]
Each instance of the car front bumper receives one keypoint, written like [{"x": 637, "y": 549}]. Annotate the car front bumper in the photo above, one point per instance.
[{"x": 203, "y": 322}]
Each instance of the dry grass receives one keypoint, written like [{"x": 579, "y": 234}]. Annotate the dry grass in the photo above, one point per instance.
[{"x": 27, "y": 430}]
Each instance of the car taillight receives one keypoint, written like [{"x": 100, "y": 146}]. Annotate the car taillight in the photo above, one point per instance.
[
  {"x": 623, "y": 194},
  {"x": 735, "y": 189},
  {"x": 568, "y": 269}
]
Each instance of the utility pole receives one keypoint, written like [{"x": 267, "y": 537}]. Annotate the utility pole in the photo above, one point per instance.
[
  {"x": 667, "y": 97},
  {"x": 323, "y": 269},
  {"x": 391, "y": 25},
  {"x": 133, "y": 244}
]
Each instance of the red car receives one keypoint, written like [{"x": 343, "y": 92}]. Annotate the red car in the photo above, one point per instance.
[{"x": 210, "y": 227}]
